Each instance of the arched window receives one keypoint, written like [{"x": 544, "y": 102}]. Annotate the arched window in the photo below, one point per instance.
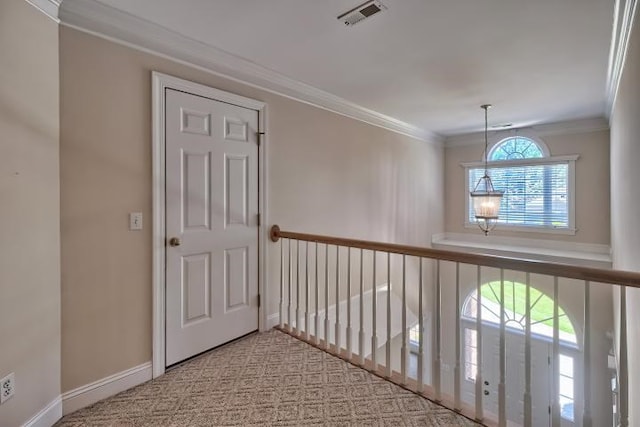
[
  {"x": 515, "y": 296},
  {"x": 516, "y": 147},
  {"x": 538, "y": 188}
]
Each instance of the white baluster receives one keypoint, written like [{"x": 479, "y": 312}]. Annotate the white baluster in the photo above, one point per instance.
[
  {"x": 298, "y": 319},
  {"x": 456, "y": 370},
  {"x": 306, "y": 291},
  {"x": 502, "y": 396},
  {"x": 317, "y": 319},
  {"x": 421, "y": 332},
  {"x": 555, "y": 407},
  {"x": 349, "y": 332},
  {"x": 281, "y": 283},
  {"x": 337, "y": 340},
  {"x": 374, "y": 336},
  {"x": 403, "y": 350},
  {"x": 289, "y": 267},
  {"x": 437, "y": 330},
  {"x": 586, "y": 369},
  {"x": 527, "y": 356},
  {"x": 326, "y": 297},
  {"x": 623, "y": 363},
  {"x": 388, "y": 345},
  {"x": 479, "y": 408},
  {"x": 361, "y": 331}
]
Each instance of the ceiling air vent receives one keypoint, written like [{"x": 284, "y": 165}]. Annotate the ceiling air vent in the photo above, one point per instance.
[{"x": 360, "y": 13}]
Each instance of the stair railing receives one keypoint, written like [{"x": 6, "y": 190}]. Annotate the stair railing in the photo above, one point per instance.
[{"x": 330, "y": 281}]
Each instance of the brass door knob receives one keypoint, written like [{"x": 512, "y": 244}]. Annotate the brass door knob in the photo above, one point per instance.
[{"x": 174, "y": 241}]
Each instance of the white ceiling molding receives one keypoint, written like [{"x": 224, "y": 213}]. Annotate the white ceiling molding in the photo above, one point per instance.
[
  {"x": 120, "y": 27},
  {"x": 624, "y": 14},
  {"x": 48, "y": 7},
  {"x": 594, "y": 124}
]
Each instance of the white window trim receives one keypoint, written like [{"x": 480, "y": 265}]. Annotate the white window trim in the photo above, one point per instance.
[{"x": 569, "y": 159}]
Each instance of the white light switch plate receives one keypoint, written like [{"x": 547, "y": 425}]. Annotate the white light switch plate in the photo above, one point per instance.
[{"x": 135, "y": 221}]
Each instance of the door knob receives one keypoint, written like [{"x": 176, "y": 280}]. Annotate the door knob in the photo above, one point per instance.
[
  {"x": 174, "y": 241},
  {"x": 486, "y": 383},
  {"x": 486, "y": 392}
]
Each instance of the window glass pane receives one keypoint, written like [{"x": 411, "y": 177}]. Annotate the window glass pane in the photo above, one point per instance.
[
  {"x": 470, "y": 354},
  {"x": 566, "y": 387},
  {"x": 566, "y": 408},
  {"x": 534, "y": 195},
  {"x": 471, "y": 306},
  {"x": 470, "y": 372},
  {"x": 470, "y": 340},
  {"x": 566, "y": 366},
  {"x": 414, "y": 335}
]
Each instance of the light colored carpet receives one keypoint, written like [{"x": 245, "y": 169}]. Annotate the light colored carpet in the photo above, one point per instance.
[{"x": 266, "y": 379}]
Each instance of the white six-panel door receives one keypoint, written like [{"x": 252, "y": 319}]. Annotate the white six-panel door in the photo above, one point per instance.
[{"x": 211, "y": 223}]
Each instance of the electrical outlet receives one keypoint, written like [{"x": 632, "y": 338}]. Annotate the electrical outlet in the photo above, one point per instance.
[{"x": 7, "y": 387}]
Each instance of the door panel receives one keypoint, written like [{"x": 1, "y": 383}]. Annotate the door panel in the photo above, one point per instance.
[
  {"x": 195, "y": 288},
  {"x": 196, "y": 203},
  {"x": 211, "y": 207},
  {"x": 236, "y": 189}
]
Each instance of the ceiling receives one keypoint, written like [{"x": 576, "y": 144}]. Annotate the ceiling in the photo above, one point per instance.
[{"x": 428, "y": 63}]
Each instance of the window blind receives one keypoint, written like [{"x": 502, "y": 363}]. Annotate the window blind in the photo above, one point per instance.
[{"x": 534, "y": 195}]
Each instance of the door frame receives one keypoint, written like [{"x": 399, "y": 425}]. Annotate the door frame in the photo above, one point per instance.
[{"x": 159, "y": 83}]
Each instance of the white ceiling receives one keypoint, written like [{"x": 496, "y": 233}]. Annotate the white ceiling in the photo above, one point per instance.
[{"x": 427, "y": 63}]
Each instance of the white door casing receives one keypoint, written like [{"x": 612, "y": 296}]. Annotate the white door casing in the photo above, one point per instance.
[{"x": 220, "y": 238}]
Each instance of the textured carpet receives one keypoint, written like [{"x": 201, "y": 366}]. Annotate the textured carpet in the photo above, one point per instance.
[{"x": 266, "y": 379}]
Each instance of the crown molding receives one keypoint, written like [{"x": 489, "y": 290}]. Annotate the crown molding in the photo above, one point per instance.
[
  {"x": 593, "y": 124},
  {"x": 623, "y": 19},
  {"x": 48, "y": 7},
  {"x": 120, "y": 27}
]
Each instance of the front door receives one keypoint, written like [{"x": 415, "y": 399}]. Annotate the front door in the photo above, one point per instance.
[
  {"x": 211, "y": 223},
  {"x": 541, "y": 375}
]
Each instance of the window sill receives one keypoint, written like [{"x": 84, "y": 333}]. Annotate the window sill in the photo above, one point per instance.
[
  {"x": 585, "y": 254},
  {"x": 528, "y": 229}
]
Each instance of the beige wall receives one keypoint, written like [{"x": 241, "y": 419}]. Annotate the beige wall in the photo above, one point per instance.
[
  {"x": 592, "y": 186},
  {"x": 326, "y": 174},
  {"x": 29, "y": 210},
  {"x": 625, "y": 201}
]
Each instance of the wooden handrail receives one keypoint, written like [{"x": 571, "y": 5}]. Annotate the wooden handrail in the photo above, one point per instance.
[{"x": 614, "y": 277}]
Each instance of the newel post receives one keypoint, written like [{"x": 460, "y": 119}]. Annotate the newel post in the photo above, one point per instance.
[{"x": 274, "y": 233}]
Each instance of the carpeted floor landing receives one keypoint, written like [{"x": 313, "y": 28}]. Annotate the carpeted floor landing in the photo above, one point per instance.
[{"x": 266, "y": 379}]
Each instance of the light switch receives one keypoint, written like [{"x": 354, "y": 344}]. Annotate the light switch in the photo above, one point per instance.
[{"x": 135, "y": 221}]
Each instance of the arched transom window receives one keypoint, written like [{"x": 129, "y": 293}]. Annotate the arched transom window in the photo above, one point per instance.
[
  {"x": 516, "y": 147},
  {"x": 515, "y": 297}
]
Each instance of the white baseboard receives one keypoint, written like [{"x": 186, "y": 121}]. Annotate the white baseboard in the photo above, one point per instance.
[
  {"x": 47, "y": 416},
  {"x": 273, "y": 320},
  {"x": 91, "y": 393}
]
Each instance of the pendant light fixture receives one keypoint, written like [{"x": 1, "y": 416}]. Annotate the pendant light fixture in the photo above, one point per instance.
[{"x": 485, "y": 198}]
